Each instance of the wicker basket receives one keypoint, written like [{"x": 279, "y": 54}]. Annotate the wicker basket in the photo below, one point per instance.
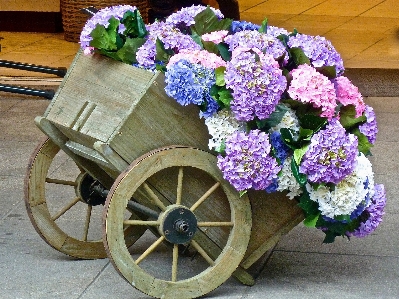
[{"x": 73, "y": 19}]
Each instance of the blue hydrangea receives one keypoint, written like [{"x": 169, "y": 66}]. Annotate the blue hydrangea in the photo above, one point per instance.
[
  {"x": 237, "y": 26},
  {"x": 188, "y": 83},
  {"x": 281, "y": 150}
]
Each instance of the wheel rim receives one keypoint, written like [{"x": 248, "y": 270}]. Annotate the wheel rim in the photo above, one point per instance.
[
  {"x": 140, "y": 176},
  {"x": 53, "y": 197}
]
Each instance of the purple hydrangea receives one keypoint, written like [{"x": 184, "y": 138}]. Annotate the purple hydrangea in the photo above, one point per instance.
[
  {"x": 370, "y": 127},
  {"x": 372, "y": 214},
  {"x": 102, "y": 17},
  {"x": 319, "y": 50},
  {"x": 186, "y": 15},
  {"x": 257, "y": 84},
  {"x": 254, "y": 39},
  {"x": 171, "y": 37},
  {"x": 248, "y": 163},
  {"x": 188, "y": 83},
  {"x": 331, "y": 155}
]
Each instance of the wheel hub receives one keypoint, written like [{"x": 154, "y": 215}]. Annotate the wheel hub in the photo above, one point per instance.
[
  {"x": 87, "y": 189},
  {"x": 178, "y": 224}
]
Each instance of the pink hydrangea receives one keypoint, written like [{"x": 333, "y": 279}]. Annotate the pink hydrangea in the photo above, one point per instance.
[
  {"x": 348, "y": 94},
  {"x": 203, "y": 57},
  {"x": 310, "y": 86},
  {"x": 215, "y": 36}
]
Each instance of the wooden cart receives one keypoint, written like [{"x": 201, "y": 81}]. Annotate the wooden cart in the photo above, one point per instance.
[{"x": 172, "y": 226}]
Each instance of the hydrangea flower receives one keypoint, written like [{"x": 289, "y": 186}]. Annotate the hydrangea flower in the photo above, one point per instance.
[
  {"x": 188, "y": 83},
  {"x": 276, "y": 31},
  {"x": 287, "y": 181},
  {"x": 319, "y": 50},
  {"x": 348, "y": 94},
  {"x": 280, "y": 149},
  {"x": 209, "y": 106},
  {"x": 203, "y": 57},
  {"x": 248, "y": 163},
  {"x": 373, "y": 214},
  {"x": 309, "y": 86},
  {"x": 331, "y": 155},
  {"x": 220, "y": 126},
  {"x": 186, "y": 15},
  {"x": 215, "y": 36},
  {"x": 254, "y": 39},
  {"x": 370, "y": 127},
  {"x": 171, "y": 37},
  {"x": 348, "y": 194},
  {"x": 102, "y": 17},
  {"x": 237, "y": 26},
  {"x": 257, "y": 85}
]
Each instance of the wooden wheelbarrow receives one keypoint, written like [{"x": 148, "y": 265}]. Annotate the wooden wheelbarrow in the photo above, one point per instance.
[{"x": 126, "y": 173}]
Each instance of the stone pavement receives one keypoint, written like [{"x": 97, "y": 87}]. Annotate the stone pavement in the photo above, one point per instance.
[{"x": 299, "y": 267}]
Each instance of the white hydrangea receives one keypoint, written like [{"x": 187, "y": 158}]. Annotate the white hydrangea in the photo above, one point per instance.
[
  {"x": 289, "y": 121},
  {"x": 287, "y": 181},
  {"x": 220, "y": 126},
  {"x": 348, "y": 193}
]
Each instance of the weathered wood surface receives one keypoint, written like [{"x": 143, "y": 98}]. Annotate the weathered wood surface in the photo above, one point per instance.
[{"x": 125, "y": 107}]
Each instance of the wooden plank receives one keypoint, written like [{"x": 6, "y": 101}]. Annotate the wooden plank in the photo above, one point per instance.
[{"x": 158, "y": 121}]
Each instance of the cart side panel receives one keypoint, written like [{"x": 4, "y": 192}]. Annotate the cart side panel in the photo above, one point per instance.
[
  {"x": 273, "y": 215},
  {"x": 159, "y": 121},
  {"x": 96, "y": 95}
]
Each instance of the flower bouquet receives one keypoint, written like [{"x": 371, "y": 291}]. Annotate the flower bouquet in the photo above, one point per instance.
[{"x": 281, "y": 114}]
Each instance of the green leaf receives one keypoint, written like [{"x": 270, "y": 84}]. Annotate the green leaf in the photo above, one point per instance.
[
  {"x": 330, "y": 237},
  {"x": 312, "y": 122},
  {"x": 346, "y": 218},
  {"x": 263, "y": 27},
  {"x": 127, "y": 53},
  {"x": 219, "y": 74},
  {"x": 197, "y": 38},
  {"x": 311, "y": 220},
  {"x": 224, "y": 51},
  {"x": 275, "y": 117},
  {"x": 364, "y": 145},
  {"x": 225, "y": 97},
  {"x": 328, "y": 71},
  {"x": 102, "y": 39},
  {"x": 348, "y": 117},
  {"x": 299, "y": 153},
  {"x": 206, "y": 22},
  {"x": 305, "y": 134},
  {"x": 162, "y": 53},
  {"x": 300, "y": 177},
  {"x": 134, "y": 24},
  {"x": 299, "y": 56},
  {"x": 243, "y": 192},
  {"x": 309, "y": 206}
]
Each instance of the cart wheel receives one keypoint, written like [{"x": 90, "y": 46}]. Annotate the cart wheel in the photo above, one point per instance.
[
  {"x": 60, "y": 206},
  {"x": 191, "y": 207}
]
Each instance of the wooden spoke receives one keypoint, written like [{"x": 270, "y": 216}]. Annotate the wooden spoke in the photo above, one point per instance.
[
  {"x": 149, "y": 250},
  {"x": 61, "y": 182},
  {"x": 154, "y": 197},
  {"x": 174, "y": 262},
  {"x": 66, "y": 208},
  {"x": 179, "y": 186},
  {"x": 87, "y": 222},
  {"x": 141, "y": 222},
  {"x": 214, "y": 224},
  {"x": 202, "y": 252},
  {"x": 204, "y": 197}
]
